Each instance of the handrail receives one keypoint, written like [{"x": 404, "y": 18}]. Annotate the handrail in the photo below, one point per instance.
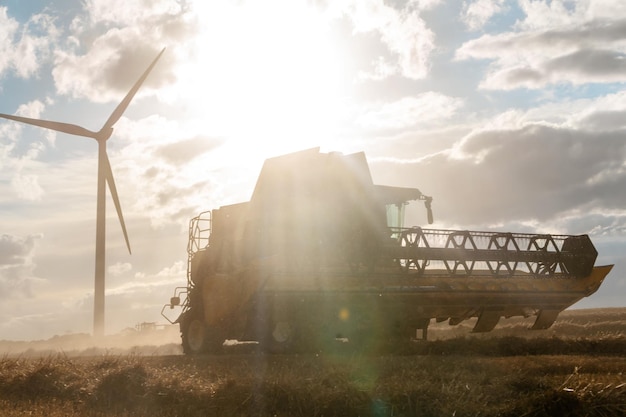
[{"x": 199, "y": 234}]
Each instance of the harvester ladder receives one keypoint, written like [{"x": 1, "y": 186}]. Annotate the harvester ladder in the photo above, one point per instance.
[{"x": 199, "y": 233}]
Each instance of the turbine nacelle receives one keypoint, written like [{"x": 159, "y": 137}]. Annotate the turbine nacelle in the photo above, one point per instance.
[{"x": 104, "y": 134}]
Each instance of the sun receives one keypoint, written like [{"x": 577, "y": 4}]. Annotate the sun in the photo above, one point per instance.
[{"x": 267, "y": 78}]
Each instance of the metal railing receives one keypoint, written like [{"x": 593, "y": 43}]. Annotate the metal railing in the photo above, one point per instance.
[
  {"x": 199, "y": 233},
  {"x": 462, "y": 252}
]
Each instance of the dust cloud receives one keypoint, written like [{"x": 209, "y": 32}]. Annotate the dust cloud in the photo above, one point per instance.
[{"x": 146, "y": 339}]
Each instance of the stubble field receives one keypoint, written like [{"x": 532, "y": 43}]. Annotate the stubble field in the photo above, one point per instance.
[{"x": 577, "y": 368}]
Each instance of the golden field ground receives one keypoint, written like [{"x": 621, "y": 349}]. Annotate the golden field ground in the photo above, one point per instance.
[{"x": 576, "y": 368}]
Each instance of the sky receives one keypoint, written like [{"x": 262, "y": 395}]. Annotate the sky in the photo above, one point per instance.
[{"x": 511, "y": 114}]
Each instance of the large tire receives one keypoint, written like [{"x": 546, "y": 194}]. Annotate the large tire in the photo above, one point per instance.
[{"x": 198, "y": 338}]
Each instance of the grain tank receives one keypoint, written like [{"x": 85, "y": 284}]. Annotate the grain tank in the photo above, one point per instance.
[{"x": 321, "y": 253}]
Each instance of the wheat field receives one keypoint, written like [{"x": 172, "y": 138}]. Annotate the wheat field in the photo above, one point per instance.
[{"x": 577, "y": 368}]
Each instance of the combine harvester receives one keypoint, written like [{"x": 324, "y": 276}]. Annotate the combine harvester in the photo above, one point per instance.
[{"x": 320, "y": 253}]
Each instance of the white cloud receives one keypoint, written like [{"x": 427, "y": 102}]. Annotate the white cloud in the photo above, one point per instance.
[
  {"x": 19, "y": 160},
  {"x": 8, "y": 28},
  {"x": 382, "y": 69},
  {"x": 129, "y": 13},
  {"x": 402, "y": 31},
  {"x": 607, "y": 113},
  {"x": 27, "y": 187},
  {"x": 23, "y": 48},
  {"x": 478, "y": 12},
  {"x": 420, "y": 110},
  {"x": 559, "y": 177},
  {"x": 16, "y": 265},
  {"x": 108, "y": 70},
  {"x": 119, "y": 268},
  {"x": 164, "y": 165},
  {"x": 413, "y": 42},
  {"x": 31, "y": 109},
  {"x": 423, "y": 4},
  {"x": 553, "y": 46},
  {"x": 166, "y": 279},
  {"x": 109, "y": 62},
  {"x": 546, "y": 14}
]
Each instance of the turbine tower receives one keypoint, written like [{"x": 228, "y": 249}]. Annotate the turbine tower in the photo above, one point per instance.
[{"x": 105, "y": 176}]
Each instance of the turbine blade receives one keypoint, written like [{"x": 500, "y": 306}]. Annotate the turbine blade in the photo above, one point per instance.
[
  {"x": 119, "y": 110},
  {"x": 47, "y": 124},
  {"x": 116, "y": 200}
]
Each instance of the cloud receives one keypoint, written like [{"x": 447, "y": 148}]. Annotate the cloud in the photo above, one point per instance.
[
  {"x": 590, "y": 64},
  {"x": 605, "y": 120},
  {"x": 542, "y": 14},
  {"x": 606, "y": 113},
  {"x": 183, "y": 151},
  {"x": 165, "y": 165},
  {"x": 18, "y": 159},
  {"x": 107, "y": 71},
  {"x": 420, "y": 110},
  {"x": 119, "y": 268},
  {"x": 23, "y": 48},
  {"x": 8, "y": 28},
  {"x": 167, "y": 277},
  {"x": 16, "y": 265},
  {"x": 15, "y": 250},
  {"x": 101, "y": 66},
  {"x": 27, "y": 187},
  {"x": 574, "y": 53},
  {"x": 478, "y": 12},
  {"x": 125, "y": 13},
  {"x": 402, "y": 30},
  {"x": 549, "y": 177}
]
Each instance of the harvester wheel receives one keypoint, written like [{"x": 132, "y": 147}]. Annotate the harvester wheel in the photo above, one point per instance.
[{"x": 197, "y": 338}]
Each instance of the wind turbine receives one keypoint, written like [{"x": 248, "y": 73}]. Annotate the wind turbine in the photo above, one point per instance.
[{"x": 105, "y": 175}]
